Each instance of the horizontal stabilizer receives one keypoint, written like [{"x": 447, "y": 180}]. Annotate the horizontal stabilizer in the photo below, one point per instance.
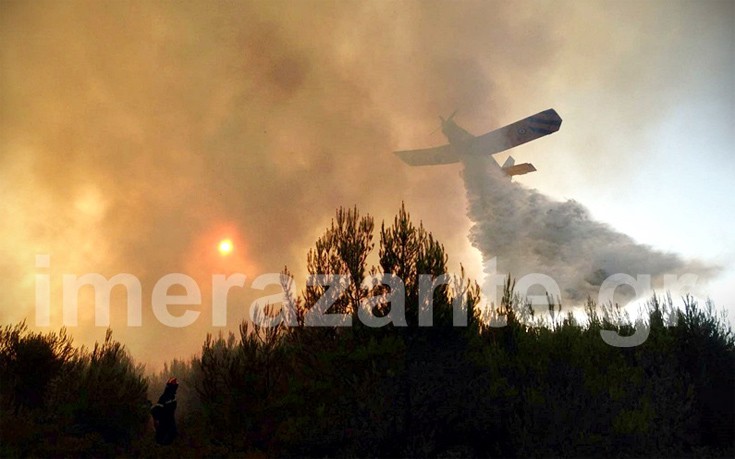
[{"x": 519, "y": 169}]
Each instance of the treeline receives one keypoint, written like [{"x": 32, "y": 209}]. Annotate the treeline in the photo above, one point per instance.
[
  {"x": 539, "y": 386},
  {"x": 60, "y": 400}
]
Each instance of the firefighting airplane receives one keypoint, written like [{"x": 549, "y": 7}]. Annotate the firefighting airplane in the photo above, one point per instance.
[{"x": 462, "y": 143}]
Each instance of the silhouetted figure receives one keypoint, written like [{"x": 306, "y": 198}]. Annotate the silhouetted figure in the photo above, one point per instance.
[{"x": 163, "y": 414}]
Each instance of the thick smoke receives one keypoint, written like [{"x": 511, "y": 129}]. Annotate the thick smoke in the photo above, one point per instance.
[
  {"x": 134, "y": 134},
  {"x": 529, "y": 232}
]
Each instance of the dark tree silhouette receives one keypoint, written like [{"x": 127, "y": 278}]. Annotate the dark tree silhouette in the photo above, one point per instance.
[{"x": 541, "y": 385}]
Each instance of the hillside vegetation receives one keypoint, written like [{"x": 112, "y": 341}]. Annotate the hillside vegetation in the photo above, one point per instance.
[{"x": 538, "y": 386}]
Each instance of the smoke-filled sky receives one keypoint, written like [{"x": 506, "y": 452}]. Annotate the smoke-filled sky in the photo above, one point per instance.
[{"x": 134, "y": 136}]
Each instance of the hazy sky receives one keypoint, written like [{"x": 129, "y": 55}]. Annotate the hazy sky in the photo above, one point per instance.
[{"x": 135, "y": 135}]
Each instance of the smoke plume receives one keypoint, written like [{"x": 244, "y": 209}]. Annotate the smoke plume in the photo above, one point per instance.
[{"x": 529, "y": 232}]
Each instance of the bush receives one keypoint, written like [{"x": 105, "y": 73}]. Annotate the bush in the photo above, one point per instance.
[{"x": 61, "y": 400}]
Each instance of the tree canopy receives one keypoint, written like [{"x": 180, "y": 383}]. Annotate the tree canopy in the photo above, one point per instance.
[{"x": 538, "y": 386}]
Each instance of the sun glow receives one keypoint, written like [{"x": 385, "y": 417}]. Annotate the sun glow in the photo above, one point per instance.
[{"x": 225, "y": 247}]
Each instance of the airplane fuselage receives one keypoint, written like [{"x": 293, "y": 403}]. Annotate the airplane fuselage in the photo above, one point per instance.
[
  {"x": 463, "y": 145},
  {"x": 459, "y": 138}
]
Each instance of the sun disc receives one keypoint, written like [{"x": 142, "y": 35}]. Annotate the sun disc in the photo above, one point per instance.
[{"x": 225, "y": 247}]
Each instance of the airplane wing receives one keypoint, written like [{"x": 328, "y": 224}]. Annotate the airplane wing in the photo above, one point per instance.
[
  {"x": 429, "y": 156},
  {"x": 520, "y": 132}
]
